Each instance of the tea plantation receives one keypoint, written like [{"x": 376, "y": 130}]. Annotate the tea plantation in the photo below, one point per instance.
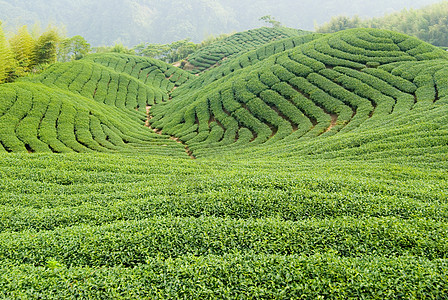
[{"x": 311, "y": 167}]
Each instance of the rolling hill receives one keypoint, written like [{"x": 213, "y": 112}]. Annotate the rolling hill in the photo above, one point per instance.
[
  {"x": 311, "y": 166},
  {"x": 336, "y": 84},
  {"x": 88, "y": 105},
  {"x": 236, "y": 44}
]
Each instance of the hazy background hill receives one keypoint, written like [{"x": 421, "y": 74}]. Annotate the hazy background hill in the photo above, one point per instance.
[{"x": 104, "y": 22}]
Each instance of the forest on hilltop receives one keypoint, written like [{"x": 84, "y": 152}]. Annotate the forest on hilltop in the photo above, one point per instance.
[
  {"x": 132, "y": 22},
  {"x": 429, "y": 23}
]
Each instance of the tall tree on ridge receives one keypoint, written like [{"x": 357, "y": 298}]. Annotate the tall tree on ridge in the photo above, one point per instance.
[
  {"x": 6, "y": 58},
  {"x": 271, "y": 20},
  {"x": 23, "y": 46},
  {"x": 46, "y": 48}
]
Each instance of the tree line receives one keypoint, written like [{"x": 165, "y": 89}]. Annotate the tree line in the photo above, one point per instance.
[
  {"x": 429, "y": 24},
  {"x": 104, "y": 22},
  {"x": 27, "y": 52}
]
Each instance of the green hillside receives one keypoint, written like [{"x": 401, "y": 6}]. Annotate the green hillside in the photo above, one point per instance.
[
  {"x": 309, "y": 167},
  {"x": 244, "y": 59}
]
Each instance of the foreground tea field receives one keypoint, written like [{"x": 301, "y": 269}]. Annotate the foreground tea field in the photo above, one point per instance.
[{"x": 148, "y": 226}]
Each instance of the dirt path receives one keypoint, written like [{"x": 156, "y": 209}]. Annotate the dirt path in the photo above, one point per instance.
[
  {"x": 334, "y": 119},
  {"x": 158, "y": 131}
]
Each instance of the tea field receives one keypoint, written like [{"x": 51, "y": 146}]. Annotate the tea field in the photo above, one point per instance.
[{"x": 309, "y": 167}]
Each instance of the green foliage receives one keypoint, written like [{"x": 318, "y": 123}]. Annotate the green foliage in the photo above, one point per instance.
[
  {"x": 64, "y": 117},
  {"x": 216, "y": 53},
  {"x": 221, "y": 226},
  {"x": 117, "y": 48},
  {"x": 24, "y": 48},
  {"x": 169, "y": 53},
  {"x": 26, "y": 54},
  {"x": 325, "y": 85},
  {"x": 73, "y": 48},
  {"x": 39, "y": 119},
  {"x": 340, "y": 23}
]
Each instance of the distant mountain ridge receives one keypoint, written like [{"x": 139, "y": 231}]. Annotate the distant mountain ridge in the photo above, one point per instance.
[{"x": 131, "y": 22}]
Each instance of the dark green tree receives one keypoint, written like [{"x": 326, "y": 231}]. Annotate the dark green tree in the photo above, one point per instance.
[{"x": 341, "y": 23}]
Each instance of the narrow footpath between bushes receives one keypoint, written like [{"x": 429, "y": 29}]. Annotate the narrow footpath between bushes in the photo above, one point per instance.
[{"x": 158, "y": 131}]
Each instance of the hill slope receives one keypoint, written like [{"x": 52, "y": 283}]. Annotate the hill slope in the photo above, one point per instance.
[{"x": 303, "y": 90}]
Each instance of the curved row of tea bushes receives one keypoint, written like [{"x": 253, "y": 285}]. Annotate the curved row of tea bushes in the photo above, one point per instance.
[
  {"x": 211, "y": 55},
  {"x": 131, "y": 243},
  {"x": 152, "y": 72},
  {"x": 428, "y": 77},
  {"x": 416, "y": 133},
  {"x": 244, "y": 60},
  {"x": 102, "y": 84}
]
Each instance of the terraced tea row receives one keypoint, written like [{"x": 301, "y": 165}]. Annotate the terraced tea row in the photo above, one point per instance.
[
  {"x": 251, "y": 275},
  {"x": 103, "y": 85},
  {"x": 122, "y": 81},
  {"x": 321, "y": 88},
  {"x": 238, "y": 43},
  {"x": 131, "y": 243}
]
